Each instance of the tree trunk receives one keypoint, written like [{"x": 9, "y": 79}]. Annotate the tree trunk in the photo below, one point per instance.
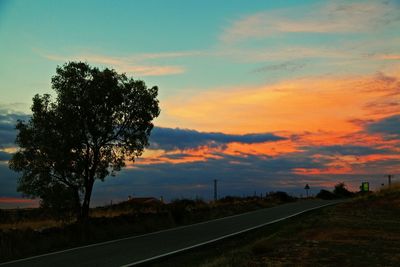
[
  {"x": 78, "y": 208},
  {"x": 86, "y": 200}
]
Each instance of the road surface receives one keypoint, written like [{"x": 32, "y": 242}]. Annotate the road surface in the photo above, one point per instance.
[{"x": 139, "y": 249}]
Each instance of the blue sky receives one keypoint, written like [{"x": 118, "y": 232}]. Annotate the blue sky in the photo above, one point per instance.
[{"x": 319, "y": 76}]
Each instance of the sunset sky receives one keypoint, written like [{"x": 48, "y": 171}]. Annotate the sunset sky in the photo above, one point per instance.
[{"x": 261, "y": 95}]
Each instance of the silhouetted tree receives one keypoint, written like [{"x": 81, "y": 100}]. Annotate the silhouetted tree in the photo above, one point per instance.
[
  {"x": 99, "y": 119},
  {"x": 341, "y": 191},
  {"x": 325, "y": 194},
  {"x": 280, "y": 196}
]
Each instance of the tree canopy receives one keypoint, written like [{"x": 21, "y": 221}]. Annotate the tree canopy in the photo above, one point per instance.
[{"x": 98, "y": 120}]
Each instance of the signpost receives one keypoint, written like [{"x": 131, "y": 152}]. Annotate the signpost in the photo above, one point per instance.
[
  {"x": 364, "y": 187},
  {"x": 307, "y": 187}
]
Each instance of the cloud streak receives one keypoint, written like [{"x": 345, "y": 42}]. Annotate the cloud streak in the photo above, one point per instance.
[
  {"x": 285, "y": 66},
  {"x": 389, "y": 127},
  {"x": 136, "y": 65},
  {"x": 330, "y": 17},
  {"x": 170, "y": 139}
]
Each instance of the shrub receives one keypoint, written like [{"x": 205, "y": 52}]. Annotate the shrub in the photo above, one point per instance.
[
  {"x": 325, "y": 194},
  {"x": 341, "y": 191},
  {"x": 280, "y": 196},
  {"x": 181, "y": 207},
  {"x": 230, "y": 199}
]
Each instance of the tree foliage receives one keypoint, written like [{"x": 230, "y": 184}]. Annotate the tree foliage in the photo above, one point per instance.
[
  {"x": 98, "y": 120},
  {"x": 325, "y": 194},
  {"x": 341, "y": 191}
]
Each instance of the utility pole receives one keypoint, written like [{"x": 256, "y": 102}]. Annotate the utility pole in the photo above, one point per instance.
[
  {"x": 215, "y": 190},
  {"x": 389, "y": 176}
]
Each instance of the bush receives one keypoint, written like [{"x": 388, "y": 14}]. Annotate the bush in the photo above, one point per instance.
[
  {"x": 230, "y": 199},
  {"x": 325, "y": 194},
  {"x": 341, "y": 191},
  {"x": 180, "y": 208},
  {"x": 280, "y": 196}
]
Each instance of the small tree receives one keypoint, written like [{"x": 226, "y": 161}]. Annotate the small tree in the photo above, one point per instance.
[
  {"x": 341, "y": 191},
  {"x": 325, "y": 194},
  {"x": 99, "y": 120}
]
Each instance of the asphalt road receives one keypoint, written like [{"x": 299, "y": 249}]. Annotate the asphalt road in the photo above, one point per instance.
[{"x": 139, "y": 249}]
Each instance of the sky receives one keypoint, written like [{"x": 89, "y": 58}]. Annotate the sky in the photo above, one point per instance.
[{"x": 260, "y": 95}]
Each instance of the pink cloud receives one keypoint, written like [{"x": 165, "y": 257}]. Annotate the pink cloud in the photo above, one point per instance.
[
  {"x": 12, "y": 202},
  {"x": 389, "y": 56},
  {"x": 132, "y": 64}
]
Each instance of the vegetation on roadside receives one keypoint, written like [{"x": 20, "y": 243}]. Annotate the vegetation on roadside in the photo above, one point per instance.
[
  {"x": 19, "y": 229},
  {"x": 340, "y": 191}
]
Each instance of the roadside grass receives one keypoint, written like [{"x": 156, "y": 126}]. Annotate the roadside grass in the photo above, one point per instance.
[
  {"x": 361, "y": 232},
  {"x": 30, "y": 224}
]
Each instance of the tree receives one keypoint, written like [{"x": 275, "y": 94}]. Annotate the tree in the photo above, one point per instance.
[
  {"x": 325, "y": 194},
  {"x": 99, "y": 120},
  {"x": 341, "y": 191}
]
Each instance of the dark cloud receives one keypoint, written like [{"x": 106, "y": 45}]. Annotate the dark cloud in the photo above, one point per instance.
[
  {"x": 240, "y": 174},
  {"x": 236, "y": 175},
  {"x": 285, "y": 66},
  {"x": 360, "y": 122},
  {"x": 169, "y": 138},
  {"x": 354, "y": 150},
  {"x": 7, "y": 126},
  {"x": 164, "y": 138},
  {"x": 4, "y": 156},
  {"x": 382, "y": 77},
  {"x": 8, "y": 181},
  {"x": 389, "y": 127}
]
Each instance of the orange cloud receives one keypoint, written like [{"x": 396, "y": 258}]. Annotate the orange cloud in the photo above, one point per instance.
[
  {"x": 15, "y": 200},
  {"x": 272, "y": 149},
  {"x": 310, "y": 112},
  {"x": 308, "y": 104},
  {"x": 389, "y": 57},
  {"x": 11, "y": 200},
  {"x": 202, "y": 153}
]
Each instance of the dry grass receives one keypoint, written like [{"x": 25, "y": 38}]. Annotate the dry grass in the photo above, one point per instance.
[{"x": 30, "y": 224}]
